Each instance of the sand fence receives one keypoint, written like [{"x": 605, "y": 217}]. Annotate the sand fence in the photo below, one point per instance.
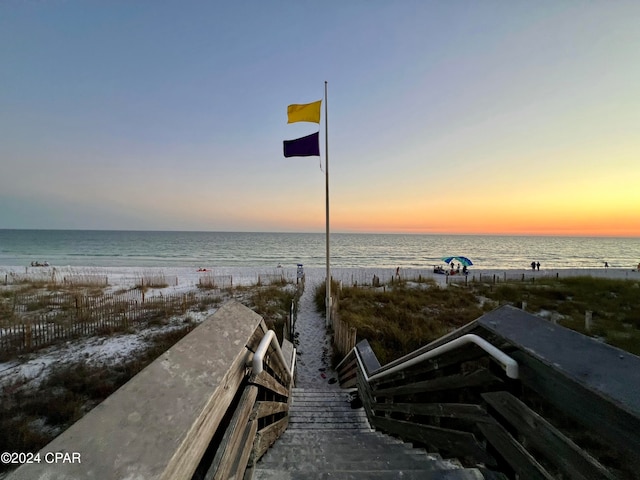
[{"x": 40, "y": 319}]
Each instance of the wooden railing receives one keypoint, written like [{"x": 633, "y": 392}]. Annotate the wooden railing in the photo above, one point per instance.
[
  {"x": 197, "y": 412},
  {"x": 572, "y": 413}
]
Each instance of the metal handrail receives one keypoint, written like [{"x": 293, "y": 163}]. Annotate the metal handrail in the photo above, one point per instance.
[
  {"x": 509, "y": 365},
  {"x": 257, "y": 362}
]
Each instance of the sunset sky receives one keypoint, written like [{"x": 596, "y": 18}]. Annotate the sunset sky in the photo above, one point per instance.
[{"x": 444, "y": 117}]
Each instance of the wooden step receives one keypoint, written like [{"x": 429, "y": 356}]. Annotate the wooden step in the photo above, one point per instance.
[{"x": 326, "y": 438}]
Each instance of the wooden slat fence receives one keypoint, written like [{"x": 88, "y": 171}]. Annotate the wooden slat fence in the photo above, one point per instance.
[
  {"x": 86, "y": 280},
  {"x": 216, "y": 281},
  {"x": 344, "y": 336},
  {"x": 380, "y": 277},
  {"x": 270, "y": 278},
  {"x": 72, "y": 316},
  {"x": 12, "y": 278}
]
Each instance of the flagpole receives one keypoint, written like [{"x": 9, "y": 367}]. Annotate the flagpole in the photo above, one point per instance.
[{"x": 326, "y": 172}]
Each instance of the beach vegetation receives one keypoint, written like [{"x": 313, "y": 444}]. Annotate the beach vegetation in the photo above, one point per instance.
[
  {"x": 272, "y": 302},
  {"x": 205, "y": 302},
  {"x": 401, "y": 317},
  {"x": 614, "y": 305},
  {"x": 320, "y": 294},
  {"x": 38, "y": 319}
]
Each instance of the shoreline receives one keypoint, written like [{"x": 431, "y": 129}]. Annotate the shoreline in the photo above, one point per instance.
[{"x": 187, "y": 278}]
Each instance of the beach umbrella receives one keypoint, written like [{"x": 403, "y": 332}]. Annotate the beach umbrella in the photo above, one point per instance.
[{"x": 462, "y": 260}]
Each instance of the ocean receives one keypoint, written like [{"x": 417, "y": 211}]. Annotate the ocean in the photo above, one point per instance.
[{"x": 349, "y": 250}]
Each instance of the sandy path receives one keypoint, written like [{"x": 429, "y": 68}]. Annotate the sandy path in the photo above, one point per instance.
[{"x": 313, "y": 343}]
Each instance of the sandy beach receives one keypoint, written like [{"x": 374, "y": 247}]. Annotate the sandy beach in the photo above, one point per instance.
[
  {"x": 312, "y": 342},
  {"x": 183, "y": 279}
]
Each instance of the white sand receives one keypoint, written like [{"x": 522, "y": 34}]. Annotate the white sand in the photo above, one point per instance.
[
  {"x": 187, "y": 277},
  {"x": 313, "y": 343},
  {"x": 314, "y": 350}
]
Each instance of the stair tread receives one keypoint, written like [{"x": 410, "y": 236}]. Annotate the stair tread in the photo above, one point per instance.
[
  {"x": 406, "y": 474},
  {"x": 326, "y": 438}
]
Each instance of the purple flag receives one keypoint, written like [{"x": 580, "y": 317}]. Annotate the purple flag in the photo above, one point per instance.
[{"x": 308, "y": 146}]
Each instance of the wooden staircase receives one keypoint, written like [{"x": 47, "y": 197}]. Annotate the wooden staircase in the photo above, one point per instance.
[{"x": 326, "y": 438}]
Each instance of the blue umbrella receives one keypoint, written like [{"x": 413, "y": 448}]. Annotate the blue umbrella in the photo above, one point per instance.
[{"x": 462, "y": 260}]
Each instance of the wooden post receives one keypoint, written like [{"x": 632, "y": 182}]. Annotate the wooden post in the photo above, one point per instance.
[{"x": 588, "y": 320}]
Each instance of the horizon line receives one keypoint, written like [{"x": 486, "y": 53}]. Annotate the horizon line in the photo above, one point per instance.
[{"x": 340, "y": 232}]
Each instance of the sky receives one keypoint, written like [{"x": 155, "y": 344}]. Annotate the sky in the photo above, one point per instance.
[{"x": 463, "y": 117}]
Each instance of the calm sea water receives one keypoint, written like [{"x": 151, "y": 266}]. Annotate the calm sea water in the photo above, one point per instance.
[{"x": 225, "y": 249}]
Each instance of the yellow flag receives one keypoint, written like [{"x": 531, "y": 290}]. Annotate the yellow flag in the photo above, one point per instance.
[{"x": 308, "y": 112}]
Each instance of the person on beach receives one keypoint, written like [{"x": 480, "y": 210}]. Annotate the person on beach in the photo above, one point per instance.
[
  {"x": 538, "y": 265},
  {"x": 606, "y": 265},
  {"x": 398, "y": 272},
  {"x": 533, "y": 266}
]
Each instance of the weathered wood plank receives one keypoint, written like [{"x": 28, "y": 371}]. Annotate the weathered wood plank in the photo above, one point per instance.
[
  {"x": 513, "y": 453},
  {"x": 254, "y": 340},
  {"x": 223, "y": 461},
  {"x": 369, "y": 359},
  {"x": 273, "y": 361},
  {"x": 615, "y": 426},
  {"x": 564, "y": 350},
  {"x": 264, "y": 379},
  {"x": 469, "y": 328},
  {"x": 348, "y": 366},
  {"x": 365, "y": 394},
  {"x": 477, "y": 378},
  {"x": 287, "y": 352},
  {"x": 463, "y": 354},
  {"x": 264, "y": 409},
  {"x": 453, "y": 442},
  {"x": 242, "y": 459},
  {"x": 350, "y": 382},
  {"x": 160, "y": 423},
  {"x": 447, "y": 410},
  {"x": 276, "y": 371},
  {"x": 265, "y": 438},
  {"x": 545, "y": 438}
]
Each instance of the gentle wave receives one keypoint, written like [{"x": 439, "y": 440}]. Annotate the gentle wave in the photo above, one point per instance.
[{"x": 157, "y": 249}]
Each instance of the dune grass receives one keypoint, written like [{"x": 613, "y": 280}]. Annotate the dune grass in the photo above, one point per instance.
[
  {"x": 272, "y": 302},
  {"x": 615, "y": 305},
  {"x": 402, "y": 317}
]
